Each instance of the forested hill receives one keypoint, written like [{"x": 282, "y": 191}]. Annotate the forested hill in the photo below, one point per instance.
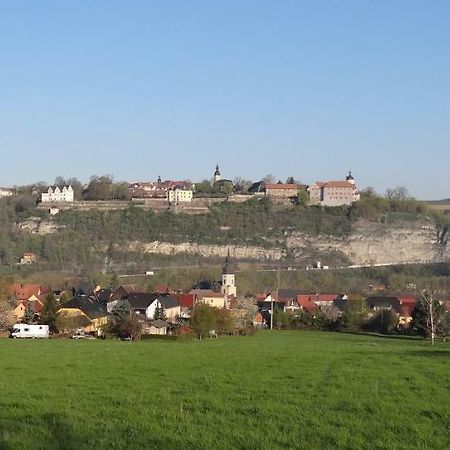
[{"x": 255, "y": 229}]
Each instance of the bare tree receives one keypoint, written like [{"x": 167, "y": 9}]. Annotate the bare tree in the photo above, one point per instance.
[{"x": 429, "y": 317}]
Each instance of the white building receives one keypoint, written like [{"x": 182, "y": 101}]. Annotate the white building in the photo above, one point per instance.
[
  {"x": 178, "y": 195},
  {"x": 228, "y": 278},
  {"x": 57, "y": 195},
  {"x": 6, "y": 192}
]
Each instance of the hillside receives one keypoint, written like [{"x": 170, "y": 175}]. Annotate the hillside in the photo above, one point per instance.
[{"x": 373, "y": 231}]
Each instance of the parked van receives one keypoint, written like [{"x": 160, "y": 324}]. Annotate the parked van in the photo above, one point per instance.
[{"x": 22, "y": 330}]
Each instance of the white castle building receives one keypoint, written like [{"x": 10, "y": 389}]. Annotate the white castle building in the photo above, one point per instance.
[{"x": 58, "y": 195}]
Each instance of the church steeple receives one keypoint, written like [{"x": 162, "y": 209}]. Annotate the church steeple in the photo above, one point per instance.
[
  {"x": 350, "y": 178},
  {"x": 217, "y": 175},
  {"x": 228, "y": 279}
]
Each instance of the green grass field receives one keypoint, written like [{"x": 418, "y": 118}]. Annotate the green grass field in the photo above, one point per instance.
[{"x": 274, "y": 390}]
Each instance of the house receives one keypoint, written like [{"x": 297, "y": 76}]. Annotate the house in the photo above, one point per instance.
[
  {"x": 177, "y": 195},
  {"x": 84, "y": 312},
  {"x": 281, "y": 190},
  {"x": 122, "y": 293},
  {"x": 158, "y": 327},
  {"x": 402, "y": 305},
  {"x": 334, "y": 193},
  {"x": 146, "y": 304},
  {"x": 210, "y": 297},
  {"x": 28, "y": 258},
  {"x": 27, "y": 291},
  {"x": 55, "y": 194},
  {"x": 187, "y": 303},
  {"x": 35, "y": 306},
  {"x": 6, "y": 192}
]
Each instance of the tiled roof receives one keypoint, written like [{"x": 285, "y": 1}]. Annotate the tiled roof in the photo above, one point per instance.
[
  {"x": 281, "y": 186},
  {"x": 89, "y": 306},
  {"x": 186, "y": 300}
]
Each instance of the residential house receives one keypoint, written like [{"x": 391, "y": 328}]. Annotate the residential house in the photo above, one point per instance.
[
  {"x": 158, "y": 327},
  {"x": 84, "y": 312},
  {"x": 27, "y": 291},
  {"x": 402, "y": 305},
  {"x": 35, "y": 306},
  {"x": 187, "y": 303},
  {"x": 6, "y": 192},
  {"x": 28, "y": 258},
  {"x": 179, "y": 195},
  {"x": 55, "y": 194},
  {"x": 145, "y": 305},
  {"x": 210, "y": 297}
]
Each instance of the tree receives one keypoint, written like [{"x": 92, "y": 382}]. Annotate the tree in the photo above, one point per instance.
[
  {"x": 303, "y": 197},
  {"x": 131, "y": 327},
  {"x": 241, "y": 186},
  {"x": 268, "y": 179},
  {"x": 6, "y": 315},
  {"x": 49, "y": 314},
  {"x": 28, "y": 316},
  {"x": 160, "y": 313},
  {"x": 225, "y": 323},
  {"x": 246, "y": 311},
  {"x": 355, "y": 314},
  {"x": 280, "y": 319},
  {"x": 384, "y": 321},
  {"x": 203, "y": 320},
  {"x": 399, "y": 193},
  {"x": 429, "y": 317}
]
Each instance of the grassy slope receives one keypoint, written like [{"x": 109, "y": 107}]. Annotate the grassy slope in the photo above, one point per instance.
[{"x": 280, "y": 390}]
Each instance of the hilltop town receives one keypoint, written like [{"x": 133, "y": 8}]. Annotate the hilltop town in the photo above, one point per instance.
[{"x": 189, "y": 196}]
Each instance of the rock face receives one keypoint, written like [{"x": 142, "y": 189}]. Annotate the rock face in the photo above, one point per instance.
[
  {"x": 369, "y": 243},
  {"x": 238, "y": 252},
  {"x": 376, "y": 243}
]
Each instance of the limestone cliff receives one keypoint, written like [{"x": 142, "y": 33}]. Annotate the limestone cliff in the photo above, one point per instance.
[{"x": 368, "y": 243}]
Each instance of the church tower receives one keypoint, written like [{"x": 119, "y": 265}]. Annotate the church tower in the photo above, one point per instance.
[
  {"x": 228, "y": 279},
  {"x": 350, "y": 178},
  {"x": 217, "y": 175}
]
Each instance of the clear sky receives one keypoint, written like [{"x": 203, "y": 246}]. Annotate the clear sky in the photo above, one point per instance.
[{"x": 308, "y": 89}]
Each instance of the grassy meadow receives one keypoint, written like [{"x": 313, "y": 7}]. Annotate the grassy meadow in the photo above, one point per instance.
[{"x": 287, "y": 389}]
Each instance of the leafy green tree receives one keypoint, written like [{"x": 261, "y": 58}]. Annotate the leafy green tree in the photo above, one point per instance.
[
  {"x": 355, "y": 314},
  {"x": 203, "y": 320},
  {"x": 28, "y": 316},
  {"x": 49, "y": 314},
  {"x": 384, "y": 321},
  {"x": 160, "y": 313},
  {"x": 225, "y": 322},
  {"x": 281, "y": 319}
]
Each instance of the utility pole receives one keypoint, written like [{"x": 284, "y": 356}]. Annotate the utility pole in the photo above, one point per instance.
[{"x": 277, "y": 294}]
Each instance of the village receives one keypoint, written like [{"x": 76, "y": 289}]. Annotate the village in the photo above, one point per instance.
[{"x": 207, "y": 310}]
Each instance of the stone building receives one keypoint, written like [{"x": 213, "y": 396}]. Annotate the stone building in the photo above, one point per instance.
[{"x": 334, "y": 193}]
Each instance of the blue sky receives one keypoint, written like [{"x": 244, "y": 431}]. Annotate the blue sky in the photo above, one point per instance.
[{"x": 309, "y": 89}]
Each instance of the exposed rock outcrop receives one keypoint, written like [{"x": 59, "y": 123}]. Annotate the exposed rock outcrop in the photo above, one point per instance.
[{"x": 368, "y": 243}]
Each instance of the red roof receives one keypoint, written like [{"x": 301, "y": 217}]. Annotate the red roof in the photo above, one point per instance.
[
  {"x": 25, "y": 291},
  {"x": 281, "y": 186},
  {"x": 317, "y": 297},
  {"x": 163, "y": 289},
  {"x": 186, "y": 300}
]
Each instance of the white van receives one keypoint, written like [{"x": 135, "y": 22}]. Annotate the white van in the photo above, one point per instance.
[{"x": 22, "y": 330}]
